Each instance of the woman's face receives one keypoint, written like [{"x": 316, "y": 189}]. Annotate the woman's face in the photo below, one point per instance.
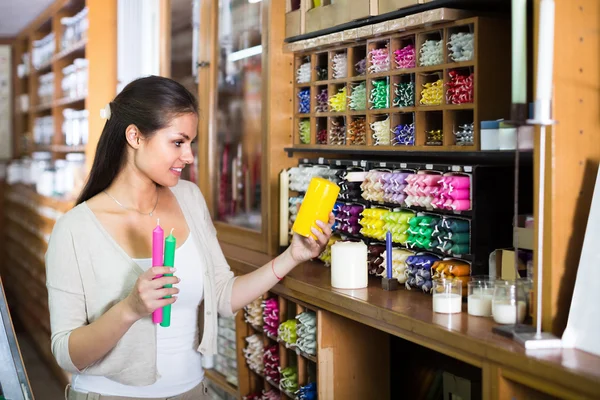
[{"x": 163, "y": 156}]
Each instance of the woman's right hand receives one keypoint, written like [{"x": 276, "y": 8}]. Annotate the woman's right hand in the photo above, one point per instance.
[{"x": 148, "y": 293}]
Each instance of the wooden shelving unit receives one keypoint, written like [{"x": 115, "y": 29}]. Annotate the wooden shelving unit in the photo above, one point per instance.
[
  {"x": 358, "y": 354},
  {"x": 490, "y": 97},
  {"x": 48, "y": 22}
]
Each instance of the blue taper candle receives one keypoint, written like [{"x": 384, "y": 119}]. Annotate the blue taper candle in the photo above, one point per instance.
[{"x": 388, "y": 254}]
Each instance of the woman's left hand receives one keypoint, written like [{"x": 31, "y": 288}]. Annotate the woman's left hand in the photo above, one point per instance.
[{"x": 305, "y": 248}]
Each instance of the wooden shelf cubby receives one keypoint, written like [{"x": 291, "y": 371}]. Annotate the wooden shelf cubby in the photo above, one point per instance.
[{"x": 491, "y": 88}]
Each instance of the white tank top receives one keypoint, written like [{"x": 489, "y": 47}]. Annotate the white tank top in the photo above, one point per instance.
[{"x": 179, "y": 364}]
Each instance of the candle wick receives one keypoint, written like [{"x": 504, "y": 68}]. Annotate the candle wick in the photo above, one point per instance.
[
  {"x": 157, "y": 221},
  {"x": 172, "y": 229}
]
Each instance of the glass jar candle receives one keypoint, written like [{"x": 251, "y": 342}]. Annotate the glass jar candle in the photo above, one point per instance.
[
  {"x": 508, "y": 303},
  {"x": 480, "y": 295},
  {"x": 447, "y": 296}
]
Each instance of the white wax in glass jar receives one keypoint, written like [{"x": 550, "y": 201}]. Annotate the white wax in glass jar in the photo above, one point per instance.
[
  {"x": 506, "y": 313},
  {"x": 447, "y": 303},
  {"x": 480, "y": 301}
]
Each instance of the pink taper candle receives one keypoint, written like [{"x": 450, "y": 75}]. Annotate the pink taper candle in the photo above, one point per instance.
[{"x": 158, "y": 242}]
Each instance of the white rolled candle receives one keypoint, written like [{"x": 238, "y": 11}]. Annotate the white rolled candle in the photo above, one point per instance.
[
  {"x": 506, "y": 313},
  {"x": 519, "y": 51},
  {"x": 284, "y": 198},
  {"x": 447, "y": 303},
  {"x": 349, "y": 265},
  {"x": 545, "y": 60}
]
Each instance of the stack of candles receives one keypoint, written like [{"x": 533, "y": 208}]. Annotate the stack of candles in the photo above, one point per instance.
[
  {"x": 307, "y": 333},
  {"x": 350, "y": 184},
  {"x": 322, "y": 101},
  {"x": 421, "y": 189},
  {"x": 405, "y": 94},
  {"x": 304, "y": 101},
  {"x": 357, "y": 132},
  {"x": 464, "y": 135},
  {"x": 452, "y": 269},
  {"x": 361, "y": 67},
  {"x": 375, "y": 259},
  {"x": 372, "y": 223},
  {"x": 321, "y": 73},
  {"x": 307, "y": 392},
  {"x": 337, "y": 102},
  {"x": 380, "y": 60},
  {"x": 303, "y": 73},
  {"x": 293, "y": 207},
  {"x": 396, "y": 222},
  {"x": 460, "y": 87},
  {"x": 252, "y": 396},
  {"x": 420, "y": 230},
  {"x": 339, "y": 66},
  {"x": 300, "y": 177},
  {"x": 358, "y": 97},
  {"x": 347, "y": 218},
  {"x": 452, "y": 236},
  {"x": 372, "y": 186},
  {"x": 394, "y": 184},
  {"x": 460, "y": 46},
  {"x": 271, "y": 363},
  {"x": 431, "y": 53},
  {"x": 271, "y": 394},
  {"x": 254, "y": 353},
  {"x": 405, "y": 57},
  {"x": 289, "y": 379},
  {"x": 404, "y": 135},
  {"x": 418, "y": 272},
  {"x": 434, "y": 137},
  {"x": 253, "y": 313},
  {"x": 381, "y": 132},
  {"x": 455, "y": 193},
  {"x": 304, "y": 131},
  {"x": 399, "y": 257},
  {"x": 322, "y": 136},
  {"x": 287, "y": 332},
  {"x": 271, "y": 316},
  {"x": 325, "y": 256},
  {"x": 337, "y": 133},
  {"x": 432, "y": 93},
  {"x": 380, "y": 94}
]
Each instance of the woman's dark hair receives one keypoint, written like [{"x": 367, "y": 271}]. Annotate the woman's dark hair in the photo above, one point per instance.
[{"x": 149, "y": 103}]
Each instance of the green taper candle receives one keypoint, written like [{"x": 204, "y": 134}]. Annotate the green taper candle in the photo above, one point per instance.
[{"x": 170, "y": 245}]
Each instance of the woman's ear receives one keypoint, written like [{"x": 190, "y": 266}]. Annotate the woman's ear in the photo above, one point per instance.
[{"x": 132, "y": 135}]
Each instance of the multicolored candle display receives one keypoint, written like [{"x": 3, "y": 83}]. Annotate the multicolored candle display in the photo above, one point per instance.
[
  {"x": 170, "y": 245},
  {"x": 158, "y": 238}
]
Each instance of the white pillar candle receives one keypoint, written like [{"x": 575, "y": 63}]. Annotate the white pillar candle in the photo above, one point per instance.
[
  {"x": 519, "y": 51},
  {"x": 447, "y": 303},
  {"x": 284, "y": 198},
  {"x": 349, "y": 265},
  {"x": 506, "y": 313},
  {"x": 480, "y": 304},
  {"x": 545, "y": 60}
]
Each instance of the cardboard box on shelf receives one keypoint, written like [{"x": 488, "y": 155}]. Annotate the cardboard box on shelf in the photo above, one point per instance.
[
  {"x": 386, "y": 6},
  {"x": 340, "y": 12}
]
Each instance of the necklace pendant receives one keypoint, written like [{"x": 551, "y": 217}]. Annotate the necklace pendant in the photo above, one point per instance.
[{"x": 150, "y": 214}]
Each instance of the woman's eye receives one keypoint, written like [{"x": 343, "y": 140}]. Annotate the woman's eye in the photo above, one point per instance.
[{"x": 178, "y": 143}]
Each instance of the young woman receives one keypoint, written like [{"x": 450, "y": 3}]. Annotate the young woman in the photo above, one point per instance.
[{"x": 99, "y": 275}]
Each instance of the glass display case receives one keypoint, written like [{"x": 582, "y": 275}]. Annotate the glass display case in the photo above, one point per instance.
[
  {"x": 231, "y": 96},
  {"x": 14, "y": 384}
]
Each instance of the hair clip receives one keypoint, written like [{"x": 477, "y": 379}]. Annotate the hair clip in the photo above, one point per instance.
[{"x": 105, "y": 112}]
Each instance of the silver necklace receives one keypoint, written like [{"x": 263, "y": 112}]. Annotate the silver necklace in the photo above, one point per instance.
[{"x": 134, "y": 209}]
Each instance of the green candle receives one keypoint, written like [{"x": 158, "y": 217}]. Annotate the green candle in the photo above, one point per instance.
[
  {"x": 519, "y": 51},
  {"x": 170, "y": 245}
]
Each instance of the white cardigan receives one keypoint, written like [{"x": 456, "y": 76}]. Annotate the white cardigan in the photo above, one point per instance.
[{"x": 87, "y": 273}]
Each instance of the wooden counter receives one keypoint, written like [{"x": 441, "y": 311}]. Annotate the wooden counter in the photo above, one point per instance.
[{"x": 407, "y": 314}]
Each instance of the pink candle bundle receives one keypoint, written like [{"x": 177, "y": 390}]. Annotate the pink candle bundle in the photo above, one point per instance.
[
  {"x": 460, "y": 88},
  {"x": 405, "y": 57},
  {"x": 421, "y": 189},
  {"x": 455, "y": 193},
  {"x": 380, "y": 60},
  {"x": 271, "y": 363},
  {"x": 271, "y": 316}
]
